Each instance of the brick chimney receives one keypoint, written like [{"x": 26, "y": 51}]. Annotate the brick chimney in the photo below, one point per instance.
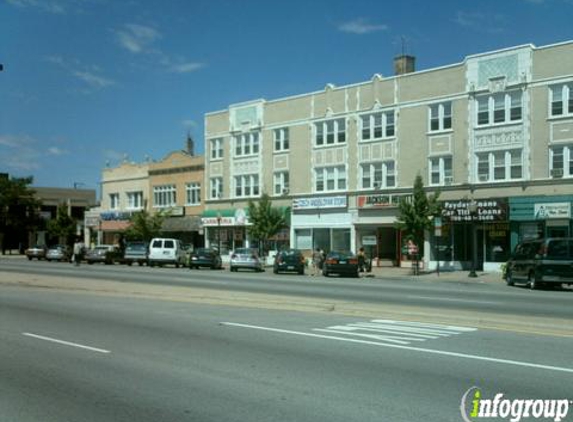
[{"x": 404, "y": 64}]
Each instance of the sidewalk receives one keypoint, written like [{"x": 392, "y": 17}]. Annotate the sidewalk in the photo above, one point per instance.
[{"x": 459, "y": 276}]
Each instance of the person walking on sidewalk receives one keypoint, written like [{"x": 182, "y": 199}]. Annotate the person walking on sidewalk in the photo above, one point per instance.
[
  {"x": 77, "y": 252},
  {"x": 316, "y": 262}
]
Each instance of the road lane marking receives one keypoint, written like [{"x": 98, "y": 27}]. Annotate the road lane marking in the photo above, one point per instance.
[
  {"x": 404, "y": 347},
  {"x": 399, "y": 332},
  {"x": 447, "y": 299},
  {"x": 67, "y": 343}
]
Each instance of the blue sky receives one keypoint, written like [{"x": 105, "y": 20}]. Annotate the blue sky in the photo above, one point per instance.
[{"x": 90, "y": 82}]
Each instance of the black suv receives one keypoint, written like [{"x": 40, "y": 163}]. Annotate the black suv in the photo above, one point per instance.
[{"x": 541, "y": 262}]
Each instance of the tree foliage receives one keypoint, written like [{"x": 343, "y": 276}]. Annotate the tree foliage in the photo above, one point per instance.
[
  {"x": 415, "y": 213},
  {"x": 63, "y": 226},
  {"x": 266, "y": 220},
  {"x": 144, "y": 226},
  {"x": 19, "y": 209}
]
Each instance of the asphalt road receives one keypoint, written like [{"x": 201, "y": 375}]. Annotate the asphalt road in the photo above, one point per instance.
[{"x": 79, "y": 355}]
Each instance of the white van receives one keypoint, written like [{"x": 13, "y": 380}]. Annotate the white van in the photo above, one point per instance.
[{"x": 166, "y": 251}]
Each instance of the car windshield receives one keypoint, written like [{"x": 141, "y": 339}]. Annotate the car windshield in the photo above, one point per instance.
[
  {"x": 245, "y": 251},
  {"x": 290, "y": 252},
  {"x": 136, "y": 246}
]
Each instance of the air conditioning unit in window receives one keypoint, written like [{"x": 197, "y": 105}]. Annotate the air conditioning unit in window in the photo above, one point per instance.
[
  {"x": 482, "y": 177},
  {"x": 377, "y": 185},
  {"x": 557, "y": 173},
  {"x": 285, "y": 191}
]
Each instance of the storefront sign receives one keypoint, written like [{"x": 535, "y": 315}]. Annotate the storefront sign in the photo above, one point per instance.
[
  {"x": 115, "y": 216},
  {"x": 378, "y": 201},
  {"x": 213, "y": 221},
  {"x": 486, "y": 210},
  {"x": 368, "y": 240},
  {"x": 319, "y": 202},
  {"x": 552, "y": 210}
]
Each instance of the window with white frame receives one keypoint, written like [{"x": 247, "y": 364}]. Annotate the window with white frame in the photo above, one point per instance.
[
  {"x": 281, "y": 183},
  {"x": 561, "y": 98},
  {"x": 281, "y": 137},
  {"x": 378, "y": 175},
  {"x": 247, "y": 144},
  {"x": 193, "y": 193},
  {"x": 378, "y": 125},
  {"x": 330, "y": 178},
  {"x": 499, "y": 165},
  {"x": 247, "y": 185},
  {"x": 216, "y": 146},
  {"x": 114, "y": 201},
  {"x": 330, "y": 132},
  {"x": 561, "y": 161},
  {"x": 135, "y": 200},
  {"x": 499, "y": 108},
  {"x": 164, "y": 196},
  {"x": 440, "y": 116},
  {"x": 441, "y": 171},
  {"x": 216, "y": 187}
]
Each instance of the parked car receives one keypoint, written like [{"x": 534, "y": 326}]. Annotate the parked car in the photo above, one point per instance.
[
  {"x": 246, "y": 258},
  {"x": 166, "y": 251},
  {"x": 59, "y": 253},
  {"x": 36, "y": 251},
  {"x": 537, "y": 263},
  {"x": 108, "y": 254},
  {"x": 135, "y": 252},
  {"x": 205, "y": 257},
  {"x": 341, "y": 263},
  {"x": 289, "y": 260}
]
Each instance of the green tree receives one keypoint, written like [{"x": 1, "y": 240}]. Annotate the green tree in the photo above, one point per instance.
[
  {"x": 18, "y": 211},
  {"x": 63, "y": 226},
  {"x": 266, "y": 221},
  {"x": 415, "y": 214},
  {"x": 144, "y": 226}
]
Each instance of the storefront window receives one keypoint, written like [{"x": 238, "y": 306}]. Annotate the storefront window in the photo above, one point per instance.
[
  {"x": 497, "y": 242},
  {"x": 303, "y": 239},
  {"x": 321, "y": 239},
  {"x": 341, "y": 239}
]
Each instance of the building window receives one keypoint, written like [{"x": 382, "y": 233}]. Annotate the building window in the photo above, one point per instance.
[
  {"x": 114, "y": 201},
  {"x": 216, "y": 187},
  {"x": 193, "y": 193},
  {"x": 330, "y": 132},
  {"x": 247, "y": 185},
  {"x": 561, "y": 98},
  {"x": 164, "y": 196},
  {"x": 281, "y": 139},
  {"x": 499, "y": 166},
  {"x": 330, "y": 178},
  {"x": 378, "y": 175},
  {"x": 441, "y": 171},
  {"x": 561, "y": 161},
  {"x": 378, "y": 126},
  {"x": 135, "y": 200},
  {"x": 440, "y": 116},
  {"x": 247, "y": 144},
  {"x": 216, "y": 148},
  {"x": 281, "y": 183},
  {"x": 499, "y": 108}
]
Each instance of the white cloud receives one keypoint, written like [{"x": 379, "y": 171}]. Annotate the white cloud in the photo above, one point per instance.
[
  {"x": 186, "y": 67},
  {"x": 86, "y": 74},
  {"x": 137, "y": 38},
  {"x": 480, "y": 22},
  {"x": 56, "y": 151},
  {"x": 52, "y": 6},
  {"x": 361, "y": 26},
  {"x": 19, "y": 153}
]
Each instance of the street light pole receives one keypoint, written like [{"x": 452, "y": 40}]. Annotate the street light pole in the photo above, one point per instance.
[
  {"x": 219, "y": 230},
  {"x": 472, "y": 207}
]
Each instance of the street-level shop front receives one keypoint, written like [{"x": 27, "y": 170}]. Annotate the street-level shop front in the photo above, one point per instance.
[
  {"x": 535, "y": 217},
  {"x": 472, "y": 234},
  {"x": 322, "y": 222},
  {"x": 376, "y": 232}
]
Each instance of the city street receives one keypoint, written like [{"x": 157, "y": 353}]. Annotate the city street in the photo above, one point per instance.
[{"x": 116, "y": 343}]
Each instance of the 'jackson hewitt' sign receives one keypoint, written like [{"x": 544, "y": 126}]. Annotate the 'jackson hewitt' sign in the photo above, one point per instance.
[{"x": 321, "y": 202}]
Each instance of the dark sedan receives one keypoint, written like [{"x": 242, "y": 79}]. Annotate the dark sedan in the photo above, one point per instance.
[
  {"x": 108, "y": 254},
  {"x": 205, "y": 257},
  {"x": 341, "y": 263},
  {"x": 289, "y": 260}
]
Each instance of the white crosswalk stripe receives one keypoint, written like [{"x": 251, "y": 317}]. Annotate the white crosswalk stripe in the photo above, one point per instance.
[{"x": 396, "y": 332}]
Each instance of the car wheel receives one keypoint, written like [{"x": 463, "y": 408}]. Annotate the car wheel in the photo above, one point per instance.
[
  {"x": 533, "y": 284},
  {"x": 275, "y": 270},
  {"x": 151, "y": 264},
  {"x": 29, "y": 258},
  {"x": 301, "y": 271},
  {"x": 325, "y": 273},
  {"x": 90, "y": 262},
  {"x": 509, "y": 279}
]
